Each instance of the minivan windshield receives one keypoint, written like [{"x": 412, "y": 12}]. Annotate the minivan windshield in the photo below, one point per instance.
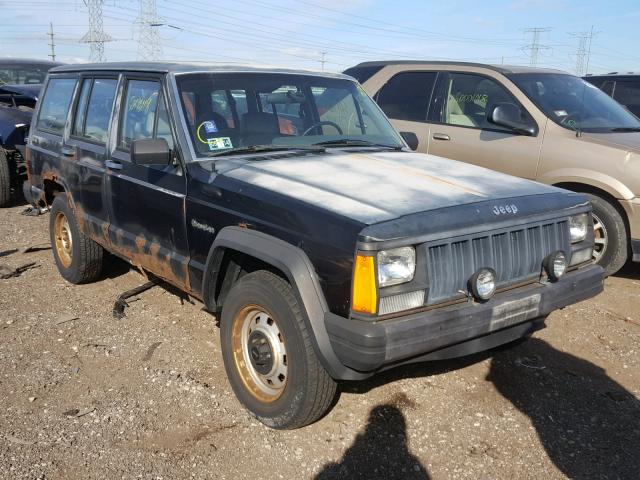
[
  {"x": 255, "y": 112},
  {"x": 575, "y": 104}
]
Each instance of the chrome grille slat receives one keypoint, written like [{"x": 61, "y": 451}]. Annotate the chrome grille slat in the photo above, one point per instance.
[{"x": 515, "y": 254}]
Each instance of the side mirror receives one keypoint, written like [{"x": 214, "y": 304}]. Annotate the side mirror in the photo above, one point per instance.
[
  {"x": 510, "y": 116},
  {"x": 411, "y": 139},
  {"x": 150, "y": 151}
]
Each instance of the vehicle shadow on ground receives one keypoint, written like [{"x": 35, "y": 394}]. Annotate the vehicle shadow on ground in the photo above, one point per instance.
[
  {"x": 588, "y": 424},
  {"x": 380, "y": 451},
  {"x": 631, "y": 271}
]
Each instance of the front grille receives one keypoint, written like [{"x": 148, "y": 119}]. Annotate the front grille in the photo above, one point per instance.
[{"x": 515, "y": 254}]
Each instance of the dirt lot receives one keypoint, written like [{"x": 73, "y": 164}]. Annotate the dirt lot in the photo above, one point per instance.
[{"x": 86, "y": 396}]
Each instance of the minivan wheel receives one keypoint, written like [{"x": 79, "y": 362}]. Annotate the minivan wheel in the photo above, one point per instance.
[
  {"x": 78, "y": 258},
  {"x": 5, "y": 179},
  {"x": 610, "y": 235},
  {"x": 268, "y": 356}
]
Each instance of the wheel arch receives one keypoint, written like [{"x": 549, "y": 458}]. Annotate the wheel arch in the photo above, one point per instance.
[{"x": 292, "y": 264}]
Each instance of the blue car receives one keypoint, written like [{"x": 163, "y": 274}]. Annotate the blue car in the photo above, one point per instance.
[{"x": 20, "y": 84}]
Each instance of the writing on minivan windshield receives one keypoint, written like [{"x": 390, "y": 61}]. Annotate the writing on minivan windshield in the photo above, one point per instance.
[{"x": 236, "y": 111}]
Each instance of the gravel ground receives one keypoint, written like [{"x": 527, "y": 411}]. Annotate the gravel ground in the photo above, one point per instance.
[{"x": 83, "y": 395}]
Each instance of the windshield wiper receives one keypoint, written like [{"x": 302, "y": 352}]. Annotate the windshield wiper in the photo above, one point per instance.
[
  {"x": 352, "y": 142},
  {"x": 626, "y": 129},
  {"x": 264, "y": 148}
]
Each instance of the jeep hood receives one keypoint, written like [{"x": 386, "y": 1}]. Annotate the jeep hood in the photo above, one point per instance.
[{"x": 376, "y": 187}]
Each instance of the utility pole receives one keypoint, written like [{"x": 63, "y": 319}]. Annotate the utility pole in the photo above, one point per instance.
[
  {"x": 535, "y": 47},
  {"x": 149, "y": 45},
  {"x": 95, "y": 37},
  {"x": 52, "y": 55},
  {"x": 322, "y": 60},
  {"x": 583, "y": 52}
]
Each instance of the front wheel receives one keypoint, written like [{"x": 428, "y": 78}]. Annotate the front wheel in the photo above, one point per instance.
[
  {"x": 268, "y": 356},
  {"x": 610, "y": 232}
]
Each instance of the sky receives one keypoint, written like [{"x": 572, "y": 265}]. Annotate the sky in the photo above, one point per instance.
[{"x": 343, "y": 33}]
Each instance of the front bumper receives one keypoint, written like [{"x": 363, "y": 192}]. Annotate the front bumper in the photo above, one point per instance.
[{"x": 459, "y": 329}]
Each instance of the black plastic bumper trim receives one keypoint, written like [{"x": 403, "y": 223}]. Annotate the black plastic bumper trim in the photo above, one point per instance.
[
  {"x": 635, "y": 250},
  {"x": 369, "y": 346}
]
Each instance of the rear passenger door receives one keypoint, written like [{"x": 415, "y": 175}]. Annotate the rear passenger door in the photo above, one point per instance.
[
  {"x": 147, "y": 220},
  {"x": 405, "y": 100},
  {"x": 460, "y": 130},
  {"x": 87, "y": 146}
]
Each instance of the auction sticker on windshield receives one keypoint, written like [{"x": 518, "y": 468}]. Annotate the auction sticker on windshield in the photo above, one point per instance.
[{"x": 219, "y": 143}]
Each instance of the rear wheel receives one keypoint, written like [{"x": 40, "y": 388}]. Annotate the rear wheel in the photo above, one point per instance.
[
  {"x": 5, "y": 179},
  {"x": 78, "y": 258},
  {"x": 610, "y": 232},
  {"x": 268, "y": 356}
]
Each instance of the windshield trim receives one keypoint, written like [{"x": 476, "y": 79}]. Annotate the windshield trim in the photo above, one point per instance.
[
  {"x": 514, "y": 76},
  {"x": 183, "y": 135}
]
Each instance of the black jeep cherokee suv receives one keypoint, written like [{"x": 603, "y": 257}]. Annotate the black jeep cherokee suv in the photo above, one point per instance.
[{"x": 289, "y": 206}]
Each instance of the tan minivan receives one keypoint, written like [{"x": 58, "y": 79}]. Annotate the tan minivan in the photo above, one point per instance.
[{"x": 536, "y": 123}]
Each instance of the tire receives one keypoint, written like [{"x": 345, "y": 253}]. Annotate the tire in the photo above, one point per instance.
[
  {"x": 612, "y": 246},
  {"x": 78, "y": 258},
  {"x": 5, "y": 179},
  {"x": 285, "y": 386}
]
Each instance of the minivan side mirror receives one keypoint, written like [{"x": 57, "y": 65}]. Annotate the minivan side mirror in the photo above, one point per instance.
[
  {"x": 510, "y": 116},
  {"x": 411, "y": 139},
  {"x": 150, "y": 151}
]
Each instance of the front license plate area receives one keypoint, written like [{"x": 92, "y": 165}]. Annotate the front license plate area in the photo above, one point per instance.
[{"x": 515, "y": 311}]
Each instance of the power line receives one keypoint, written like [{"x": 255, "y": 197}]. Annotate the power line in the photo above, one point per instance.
[
  {"x": 534, "y": 47},
  {"x": 52, "y": 43},
  {"x": 95, "y": 37}
]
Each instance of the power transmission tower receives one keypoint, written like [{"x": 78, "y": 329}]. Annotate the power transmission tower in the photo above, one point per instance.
[
  {"x": 95, "y": 37},
  {"x": 535, "y": 47},
  {"x": 583, "y": 53},
  {"x": 52, "y": 44},
  {"x": 149, "y": 46}
]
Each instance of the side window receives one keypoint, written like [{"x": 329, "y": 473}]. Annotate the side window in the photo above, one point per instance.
[
  {"x": 144, "y": 114},
  {"x": 607, "y": 87},
  {"x": 628, "y": 94},
  {"x": 139, "y": 112},
  {"x": 94, "y": 109},
  {"x": 470, "y": 99},
  {"x": 55, "y": 105},
  {"x": 406, "y": 96}
]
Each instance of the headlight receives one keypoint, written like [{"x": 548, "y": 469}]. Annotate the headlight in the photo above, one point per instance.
[
  {"x": 578, "y": 225},
  {"x": 396, "y": 266}
]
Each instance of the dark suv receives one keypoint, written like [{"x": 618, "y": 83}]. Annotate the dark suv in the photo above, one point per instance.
[
  {"x": 288, "y": 205},
  {"x": 623, "y": 87}
]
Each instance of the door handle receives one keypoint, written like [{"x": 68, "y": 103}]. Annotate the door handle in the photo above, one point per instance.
[
  {"x": 113, "y": 165},
  {"x": 441, "y": 136},
  {"x": 68, "y": 151}
]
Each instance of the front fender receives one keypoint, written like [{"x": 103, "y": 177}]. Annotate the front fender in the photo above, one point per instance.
[
  {"x": 298, "y": 269},
  {"x": 602, "y": 181}
]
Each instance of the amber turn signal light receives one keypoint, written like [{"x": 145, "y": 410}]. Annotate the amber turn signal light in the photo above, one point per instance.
[{"x": 364, "y": 296}]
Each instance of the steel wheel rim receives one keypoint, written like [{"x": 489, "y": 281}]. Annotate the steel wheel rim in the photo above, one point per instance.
[
  {"x": 601, "y": 238},
  {"x": 254, "y": 327},
  {"x": 63, "y": 239}
]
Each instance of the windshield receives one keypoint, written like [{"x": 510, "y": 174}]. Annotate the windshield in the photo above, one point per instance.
[
  {"x": 234, "y": 111},
  {"x": 575, "y": 104},
  {"x": 19, "y": 74}
]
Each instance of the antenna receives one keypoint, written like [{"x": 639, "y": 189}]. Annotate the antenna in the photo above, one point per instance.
[
  {"x": 52, "y": 44},
  {"x": 149, "y": 45},
  {"x": 534, "y": 47},
  {"x": 95, "y": 37}
]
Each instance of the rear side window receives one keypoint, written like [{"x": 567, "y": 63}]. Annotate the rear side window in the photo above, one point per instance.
[
  {"x": 628, "y": 94},
  {"x": 406, "y": 96},
  {"x": 55, "y": 105},
  {"x": 94, "y": 109}
]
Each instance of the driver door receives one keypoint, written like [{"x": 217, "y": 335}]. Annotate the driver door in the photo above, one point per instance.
[{"x": 461, "y": 131}]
